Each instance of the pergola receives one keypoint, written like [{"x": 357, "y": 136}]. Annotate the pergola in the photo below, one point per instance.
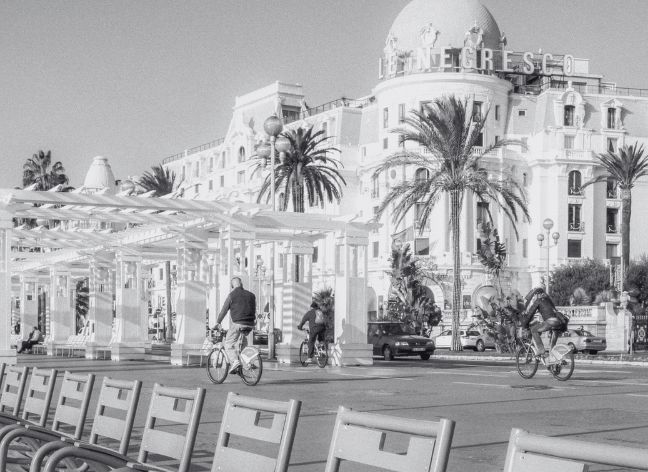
[{"x": 112, "y": 238}]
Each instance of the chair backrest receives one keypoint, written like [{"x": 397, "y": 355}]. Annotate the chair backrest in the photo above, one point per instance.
[
  {"x": 241, "y": 419},
  {"x": 180, "y": 406},
  {"x": 115, "y": 412},
  {"x": 533, "y": 453},
  {"x": 13, "y": 389},
  {"x": 39, "y": 395},
  {"x": 360, "y": 437},
  {"x": 73, "y": 402}
]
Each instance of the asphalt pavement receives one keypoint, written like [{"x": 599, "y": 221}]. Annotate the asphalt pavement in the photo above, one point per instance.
[{"x": 601, "y": 403}]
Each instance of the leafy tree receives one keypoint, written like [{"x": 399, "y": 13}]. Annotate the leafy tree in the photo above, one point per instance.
[
  {"x": 492, "y": 253},
  {"x": 325, "y": 299},
  {"x": 306, "y": 173},
  {"x": 81, "y": 302},
  {"x": 637, "y": 279},
  {"x": 449, "y": 134},
  {"x": 589, "y": 275},
  {"x": 625, "y": 166},
  {"x": 41, "y": 173},
  {"x": 162, "y": 180}
]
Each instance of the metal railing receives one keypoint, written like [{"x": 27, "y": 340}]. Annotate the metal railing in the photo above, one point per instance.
[
  {"x": 585, "y": 89},
  {"x": 332, "y": 105},
  {"x": 612, "y": 193},
  {"x": 612, "y": 229},
  {"x": 576, "y": 191},
  {"x": 578, "y": 226},
  {"x": 193, "y": 150}
]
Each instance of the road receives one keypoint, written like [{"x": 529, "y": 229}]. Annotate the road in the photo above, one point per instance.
[{"x": 600, "y": 403}]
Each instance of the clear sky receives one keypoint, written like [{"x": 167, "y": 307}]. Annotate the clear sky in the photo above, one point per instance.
[{"x": 136, "y": 81}]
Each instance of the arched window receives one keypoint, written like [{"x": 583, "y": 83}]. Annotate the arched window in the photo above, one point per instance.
[
  {"x": 421, "y": 174},
  {"x": 569, "y": 115},
  {"x": 575, "y": 183},
  {"x": 241, "y": 154}
]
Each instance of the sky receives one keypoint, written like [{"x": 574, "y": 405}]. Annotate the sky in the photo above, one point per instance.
[{"x": 136, "y": 81}]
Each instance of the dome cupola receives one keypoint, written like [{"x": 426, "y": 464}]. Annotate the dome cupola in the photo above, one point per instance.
[{"x": 100, "y": 176}]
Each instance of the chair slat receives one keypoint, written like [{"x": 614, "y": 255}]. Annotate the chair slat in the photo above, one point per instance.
[
  {"x": 166, "y": 408},
  {"x": 243, "y": 422},
  {"x": 168, "y": 444},
  {"x": 108, "y": 427},
  {"x": 534, "y": 463},
  {"x": 231, "y": 459}
]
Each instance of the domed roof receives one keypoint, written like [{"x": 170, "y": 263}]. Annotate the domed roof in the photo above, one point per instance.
[
  {"x": 100, "y": 176},
  {"x": 443, "y": 23}
]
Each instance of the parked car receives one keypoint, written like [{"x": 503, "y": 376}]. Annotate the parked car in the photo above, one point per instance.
[
  {"x": 471, "y": 339},
  {"x": 392, "y": 338},
  {"x": 582, "y": 341}
]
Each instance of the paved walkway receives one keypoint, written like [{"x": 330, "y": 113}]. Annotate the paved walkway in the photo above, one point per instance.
[{"x": 486, "y": 399}]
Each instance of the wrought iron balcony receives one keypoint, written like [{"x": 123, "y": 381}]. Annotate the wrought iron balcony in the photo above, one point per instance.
[
  {"x": 612, "y": 229},
  {"x": 576, "y": 191},
  {"x": 577, "y": 226}
]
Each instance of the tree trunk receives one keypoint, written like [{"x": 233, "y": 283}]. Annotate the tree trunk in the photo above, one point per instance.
[
  {"x": 169, "y": 321},
  {"x": 455, "y": 213},
  {"x": 626, "y": 209},
  {"x": 298, "y": 198}
]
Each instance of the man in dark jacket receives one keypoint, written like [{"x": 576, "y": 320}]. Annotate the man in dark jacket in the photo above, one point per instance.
[
  {"x": 241, "y": 305},
  {"x": 316, "y": 328},
  {"x": 550, "y": 318}
]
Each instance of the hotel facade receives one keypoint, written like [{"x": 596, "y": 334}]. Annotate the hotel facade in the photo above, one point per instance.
[{"x": 560, "y": 111}]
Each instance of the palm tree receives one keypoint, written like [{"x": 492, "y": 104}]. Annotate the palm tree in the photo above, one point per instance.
[
  {"x": 492, "y": 253},
  {"x": 159, "y": 179},
  {"x": 41, "y": 173},
  {"x": 625, "y": 167},
  {"x": 306, "y": 173},
  {"x": 448, "y": 134}
]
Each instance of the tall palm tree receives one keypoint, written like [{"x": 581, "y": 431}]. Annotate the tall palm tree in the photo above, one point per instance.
[
  {"x": 41, "y": 173},
  {"x": 448, "y": 135},
  {"x": 159, "y": 179},
  {"x": 307, "y": 173},
  {"x": 625, "y": 167}
]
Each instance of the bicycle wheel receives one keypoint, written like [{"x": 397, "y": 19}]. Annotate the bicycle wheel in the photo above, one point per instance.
[
  {"x": 217, "y": 366},
  {"x": 527, "y": 364},
  {"x": 251, "y": 366},
  {"x": 565, "y": 368},
  {"x": 322, "y": 356},
  {"x": 303, "y": 353}
]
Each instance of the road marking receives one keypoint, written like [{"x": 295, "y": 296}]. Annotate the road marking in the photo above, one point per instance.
[
  {"x": 637, "y": 395},
  {"x": 605, "y": 371},
  {"x": 482, "y": 384}
]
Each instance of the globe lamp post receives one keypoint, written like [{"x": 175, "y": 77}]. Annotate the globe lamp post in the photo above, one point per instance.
[{"x": 547, "y": 224}]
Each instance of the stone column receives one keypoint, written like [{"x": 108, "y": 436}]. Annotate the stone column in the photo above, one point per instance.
[
  {"x": 7, "y": 354},
  {"x": 61, "y": 303},
  {"x": 28, "y": 305},
  {"x": 297, "y": 294},
  {"x": 99, "y": 307},
  {"x": 351, "y": 346},
  {"x": 192, "y": 300},
  {"x": 130, "y": 341}
]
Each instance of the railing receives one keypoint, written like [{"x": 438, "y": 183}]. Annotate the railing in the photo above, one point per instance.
[
  {"x": 577, "y": 312},
  {"x": 577, "y": 154},
  {"x": 612, "y": 229},
  {"x": 577, "y": 226},
  {"x": 598, "y": 89},
  {"x": 576, "y": 191},
  {"x": 612, "y": 193},
  {"x": 193, "y": 150},
  {"x": 332, "y": 105}
]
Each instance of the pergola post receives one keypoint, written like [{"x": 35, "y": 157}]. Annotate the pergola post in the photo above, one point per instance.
[
  {"x": 192, "y": 300},
  {"x": 99, "y": 307},
  {"x": 130, "y": 340},
  {"x": 213, "y": 279},
  {"x": 351, "y": 346},
  {"x": 297, "y": 294},
  {"x": 28, "y": 305},
  {"x": 7, "y": 354},
  {"x": 61, "y": 308}
]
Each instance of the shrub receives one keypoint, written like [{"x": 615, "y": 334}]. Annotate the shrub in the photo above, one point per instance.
[{"x": 589, "y": 275}]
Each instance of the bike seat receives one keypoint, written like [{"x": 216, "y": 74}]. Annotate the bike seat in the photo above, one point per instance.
[{"x": 247, "y": 330}]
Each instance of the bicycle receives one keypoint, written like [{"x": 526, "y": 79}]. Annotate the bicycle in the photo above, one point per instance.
[
  {"x": 250, "y": 369},
  {"x": 320, "y": 353},
  {"x": 560, "y": 361}
]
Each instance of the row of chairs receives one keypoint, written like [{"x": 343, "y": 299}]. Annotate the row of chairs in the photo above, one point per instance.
[{"x": 357, "y": 437}]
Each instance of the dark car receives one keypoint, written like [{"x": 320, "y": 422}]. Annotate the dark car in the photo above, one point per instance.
[{"x": 391, "y": 338}]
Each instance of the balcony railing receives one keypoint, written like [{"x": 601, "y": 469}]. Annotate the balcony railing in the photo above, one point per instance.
[
  {"x": 332, "y": 105},
  {"x": 193, "y": 150},
  {"x": 595, "y": 89},
  {"x": 576, "y": 191},
  {"x": 612, "y": 229},
  {"x": 577, "y": 226},
  {"x": 578, "y": 154},
  {"x": 612, "y": 193}
]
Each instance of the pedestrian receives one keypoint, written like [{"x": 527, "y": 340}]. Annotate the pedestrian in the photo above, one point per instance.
[
  {"x": 316, "y": 327},
  {"x": 241, "y": 305},
  {"x": 34, "y": 338}
]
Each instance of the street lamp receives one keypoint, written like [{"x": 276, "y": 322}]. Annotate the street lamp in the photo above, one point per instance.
[{"x": 547, "y": 224}]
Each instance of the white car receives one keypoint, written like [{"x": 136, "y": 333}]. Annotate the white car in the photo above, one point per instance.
[{"x": 471, "y": 339}]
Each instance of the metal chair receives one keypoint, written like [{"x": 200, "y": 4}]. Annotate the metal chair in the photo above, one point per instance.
[
  {"x": 37, "y": 400},
  {"x": 113, "y": 420},
  {"x": 177, "y": 405},
  {"x": 241, "y": 419},
  {"x": 13, "y": 391},
  {"x": 534, "y": 453},
  {"x": 71, "y": 412},
  {"x": 360, "y": 437}
]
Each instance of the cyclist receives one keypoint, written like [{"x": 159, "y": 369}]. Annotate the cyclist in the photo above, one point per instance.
[
  {"x": 241, "y": 305},
  {"x": 551, "y": 319},
  {"x": 316, "y": 328}
]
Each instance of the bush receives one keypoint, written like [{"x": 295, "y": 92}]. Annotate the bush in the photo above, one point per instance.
[
  {"x": 589, "y": 275},
  {"x": 637, "y": 279}
]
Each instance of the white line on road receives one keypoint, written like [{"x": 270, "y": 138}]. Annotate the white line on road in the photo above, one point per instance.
[
  {"x": 482, "y": 384},
  {"x": 637, "y": 395}
]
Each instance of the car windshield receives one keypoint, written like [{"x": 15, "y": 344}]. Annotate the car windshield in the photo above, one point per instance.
[
  {"x": 582, "y": 332},
  {"x": 393, "y": 329},
  {"x": 473, "y": 333}
]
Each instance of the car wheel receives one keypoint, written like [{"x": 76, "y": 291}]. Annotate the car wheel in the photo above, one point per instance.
[
  {"x": 573, "y": 348},
  {"x": 425, "y": 356},
  {"x": 480, "y": 346},
  {"x": 388, "y": 353},
  {"x": 592, "y": 352}
]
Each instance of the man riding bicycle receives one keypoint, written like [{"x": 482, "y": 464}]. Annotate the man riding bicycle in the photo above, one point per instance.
[
  {"x": 316, "y": 328},
  {"x": 242, "y": 307},
  {"x": 551, "y": 319}
]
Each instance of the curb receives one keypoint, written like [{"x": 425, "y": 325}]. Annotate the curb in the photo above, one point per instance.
[{"x": 451, "y": 357}]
